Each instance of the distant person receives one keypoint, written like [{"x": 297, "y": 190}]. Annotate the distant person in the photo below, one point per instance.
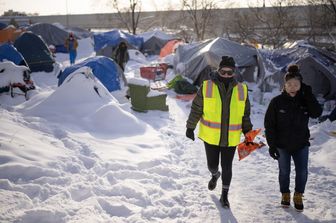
[
  {"x": 287, "y": 133},
  {"x": 222, "y": 109},
  {"x": 71, "y": 45},
  {"x": 120, "y": 55}
]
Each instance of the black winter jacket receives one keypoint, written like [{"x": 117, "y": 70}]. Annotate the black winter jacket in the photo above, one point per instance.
[{"x": 286, "y": 119}]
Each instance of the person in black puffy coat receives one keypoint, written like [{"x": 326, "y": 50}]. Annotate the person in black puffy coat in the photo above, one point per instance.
[{"x": 287, "y": 133}]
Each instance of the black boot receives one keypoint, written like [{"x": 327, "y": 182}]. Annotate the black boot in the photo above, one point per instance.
[
  {"x": 298, "y": 204},
  {"x": 224, "y": 199},
  {"x": 213, "y": 181}
]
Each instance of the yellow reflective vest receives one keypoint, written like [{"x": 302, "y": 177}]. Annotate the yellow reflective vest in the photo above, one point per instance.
[{"x": 211, "y": 120}]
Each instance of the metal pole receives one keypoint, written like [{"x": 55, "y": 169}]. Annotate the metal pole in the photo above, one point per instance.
[{"x": 67, "y": 16}]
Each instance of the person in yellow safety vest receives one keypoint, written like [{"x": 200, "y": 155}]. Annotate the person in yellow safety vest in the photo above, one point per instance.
[{"x": 222, "y": 108}]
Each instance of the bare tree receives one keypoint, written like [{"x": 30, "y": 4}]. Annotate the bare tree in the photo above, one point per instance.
[
  {"x": 321, "y": 20},
  {"x": 278, "y": 24},
  {"x": 129, "y": 16},
  {"x": 200, "y": 12},
  {"x": 244, "y": 26}
]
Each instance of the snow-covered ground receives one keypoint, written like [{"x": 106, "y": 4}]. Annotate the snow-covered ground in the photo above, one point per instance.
[{"x": 71, "y": 155}]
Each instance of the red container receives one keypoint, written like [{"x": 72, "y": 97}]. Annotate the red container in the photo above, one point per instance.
[{"x": 155, "y": 73}]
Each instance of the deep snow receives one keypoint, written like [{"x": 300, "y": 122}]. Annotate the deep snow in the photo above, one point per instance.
[{"x": 71, "y": 155}]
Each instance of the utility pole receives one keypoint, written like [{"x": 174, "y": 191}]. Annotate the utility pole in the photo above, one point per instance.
[{"x": 67, "y": 14}]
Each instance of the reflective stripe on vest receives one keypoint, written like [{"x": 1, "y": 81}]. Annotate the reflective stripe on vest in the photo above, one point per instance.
[{"x": 210, "y": 123}]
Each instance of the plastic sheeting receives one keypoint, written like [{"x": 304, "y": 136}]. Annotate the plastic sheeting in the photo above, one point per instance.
[
  {"x": 196, "y": 60},
  {"x": 105, "y": 69},
  {"x": 114, "y": 37}
]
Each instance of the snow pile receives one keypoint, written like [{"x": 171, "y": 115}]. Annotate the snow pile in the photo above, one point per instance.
[
  {"x": 82, "y": 97},
  {"x": 323, "y": 144},
  {"x": 11, "y": 73}
]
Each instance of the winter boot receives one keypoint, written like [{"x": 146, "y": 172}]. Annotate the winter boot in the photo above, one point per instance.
[
  {"x": 285, "y": 200},
  {"x": 298, "y": 204},
  {"x": 213, "y": 182},
  {"x": 224, "y": 199}
]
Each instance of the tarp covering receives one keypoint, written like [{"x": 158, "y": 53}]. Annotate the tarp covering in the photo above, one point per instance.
[
  {"x": 114, "y": 37},
  {"x": 104, "y": 68},
  {"x": 9, "y": 34},
  {"x": 154, "y": 41},
  {"x": 2, "y": 25},
  {"x": 50, "y": 33},
  {"x": 35, "y": 52},
  {"x": 170, "y": 47},
  {"x": 317, "y": 67},
  {"x": 9, "y": 52},
  {"x": 196, "y": 60}
]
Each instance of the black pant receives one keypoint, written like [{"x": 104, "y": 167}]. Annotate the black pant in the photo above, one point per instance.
[{"x": 227, "y": 154}]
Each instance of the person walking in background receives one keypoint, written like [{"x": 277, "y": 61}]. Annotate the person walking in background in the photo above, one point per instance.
[
  {"x": 120, "y": 55},
  {"x": 287, "y": 133},
  {"x": 71, "y": 45},
  {"x": 223, "y": 109}
]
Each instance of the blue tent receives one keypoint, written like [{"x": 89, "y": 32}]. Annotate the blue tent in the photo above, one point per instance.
[
  {"x": 35, "y": 52},
  {"x": 2, "y": 25},
  {"x": 104, "y": 68},
  {"x": 114, "y": 37},
  {"x": 9, "y": 52}
]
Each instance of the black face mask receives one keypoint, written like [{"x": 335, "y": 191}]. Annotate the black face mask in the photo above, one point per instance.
[{"x": 225, "y": 80}]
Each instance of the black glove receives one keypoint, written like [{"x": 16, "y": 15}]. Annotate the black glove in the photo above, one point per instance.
[
  {"x": 306, "y": 90},
  {"x": 190, "y": 134},
  {"x": 274, "y": 153}
]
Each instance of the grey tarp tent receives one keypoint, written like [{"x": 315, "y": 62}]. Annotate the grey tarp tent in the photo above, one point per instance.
[
  {"x": 196, "y": 60},
  {"x": 317, "y": 68},
  {"x": 154, "y": 41},
  {"x": 50, "y": 33}
]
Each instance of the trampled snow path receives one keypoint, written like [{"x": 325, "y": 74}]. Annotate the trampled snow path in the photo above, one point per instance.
[{"x": 168, "y": 188}]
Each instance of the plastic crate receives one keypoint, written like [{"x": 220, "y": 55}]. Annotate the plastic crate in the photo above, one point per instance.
[{"x": 155, "y": 73}]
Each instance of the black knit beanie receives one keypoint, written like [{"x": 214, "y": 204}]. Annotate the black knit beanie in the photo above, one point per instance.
[
  {"x": 293, "y": 71},
  {"x": 227, "y": 62}
]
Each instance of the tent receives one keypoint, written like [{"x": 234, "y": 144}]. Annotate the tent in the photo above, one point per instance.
[
  {"x": 35, "y": 52},
  {"x": 10, "y": 53},
  {"x": 2, "y": 25},
  {"x": 196, "y": 60},
  {"x": 104, "y": 68},
  {"x": 51, "y": 34},
  {"x": 170, "y": 47},
  {"x": 79, "y": 32},
  {"x": 114, "y": 37},
  {"x": 9, "y": 34},
  {"x": 154, "y": 41},
  {"x": 317, "y": 67}
]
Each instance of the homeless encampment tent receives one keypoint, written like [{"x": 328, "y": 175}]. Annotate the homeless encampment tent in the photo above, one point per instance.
[
  {"x": 104, "y": 68},
  {"x": 154, "y": 41},
  {"x": 112, "y": 39},
  {"x": 196, "y": 60},
  {"x": 9, "y": 34},
  {"x": 51, "y": 34},
  {"x": 170, "y": 47},
  {"x": 317, "y": 68},
  {"x": 2, "y": 25},
  {"x": 10, "y": 53},
  {"x": 35, "y": 52}
]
